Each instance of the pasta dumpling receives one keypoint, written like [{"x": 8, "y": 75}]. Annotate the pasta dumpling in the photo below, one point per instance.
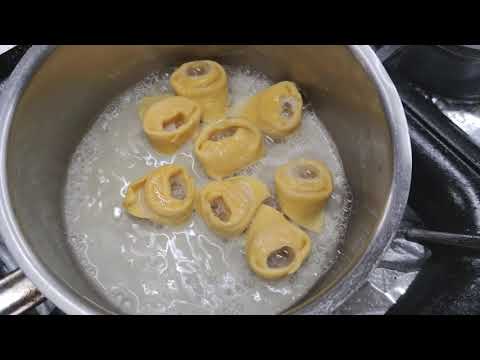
[
  {"x": 228, "y": 206},
  {"x": 148, "y": 101},
  {"x": 169, "y": 122},
  {"x": 303, "y": 188},
  {"x": 277, "y": 111},
  {"x": 165, "y": 196},
  {"x": 275, "y": 247},
  {"x": 206, "y": 83},
  {"x": 227, "y": 146}
]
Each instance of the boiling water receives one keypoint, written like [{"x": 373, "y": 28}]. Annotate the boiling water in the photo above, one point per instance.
[{"x": 144, "y": 268}]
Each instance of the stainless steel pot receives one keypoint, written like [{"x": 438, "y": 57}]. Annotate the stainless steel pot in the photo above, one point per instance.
[{"x": 54, "y": 93}]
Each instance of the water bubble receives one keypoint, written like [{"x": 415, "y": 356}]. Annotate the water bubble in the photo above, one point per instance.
[
  {"x": 117, "y": 212},
  {"x": 91, "y": 270}
]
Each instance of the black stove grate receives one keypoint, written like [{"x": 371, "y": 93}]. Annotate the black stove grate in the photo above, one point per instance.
[{"x": 445, "y": 194}]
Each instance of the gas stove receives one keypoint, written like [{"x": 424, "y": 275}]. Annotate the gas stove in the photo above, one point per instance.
[
  {"x": 411, "y": 278},
  {"x": 445, "y": 135}
]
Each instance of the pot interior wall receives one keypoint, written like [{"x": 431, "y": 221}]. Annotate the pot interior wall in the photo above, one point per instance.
[{"x": 75, "y": 82}]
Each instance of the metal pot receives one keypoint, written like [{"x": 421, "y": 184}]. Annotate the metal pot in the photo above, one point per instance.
[{"x": 55, "y": 91}]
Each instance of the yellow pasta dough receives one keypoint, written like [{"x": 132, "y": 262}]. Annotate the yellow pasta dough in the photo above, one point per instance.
[
  {"x": 277, "y": 111},
  {"x": 165, "y": 196},
  {"x": 205, "y": 82},
  {"x": 228, "y": 206},
  {"x": 169, "y": 122},
  {"x": 275, "y": 247},
  {"x": 227, "y": 146},
  {"x": 148, "y": 101},
  {"x": 303, "y": 188}
]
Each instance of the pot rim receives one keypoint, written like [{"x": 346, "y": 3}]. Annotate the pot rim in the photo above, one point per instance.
[
  {"x": 71, "y": 302},
  {"x": 399, "y": 190}
]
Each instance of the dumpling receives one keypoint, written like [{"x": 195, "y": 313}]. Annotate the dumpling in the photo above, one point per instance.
[
  {"x": 303, "y": 188},
  {"x": 206, "y": 83},
  {"x": 277, "y": 111},
  {"x": 275, "y": 247},
  {"x": 169, "y": 122},
  {"x": 148, "y": 101},
  {"x": 227, "y": 146},
  {"x": 228, "y": 206},
  {"x": 165, "y": 196}
]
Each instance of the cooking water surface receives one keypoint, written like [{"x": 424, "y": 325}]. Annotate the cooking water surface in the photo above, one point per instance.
[{"x": 144, "y": 268}]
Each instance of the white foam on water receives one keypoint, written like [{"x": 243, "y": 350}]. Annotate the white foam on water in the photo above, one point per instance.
[{"x": 144, "y": 268}]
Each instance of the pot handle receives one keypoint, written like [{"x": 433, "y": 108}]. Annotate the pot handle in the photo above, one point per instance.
[
  {"x": 18, "y": 294},
  {"x": 426, "y": 237}
]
